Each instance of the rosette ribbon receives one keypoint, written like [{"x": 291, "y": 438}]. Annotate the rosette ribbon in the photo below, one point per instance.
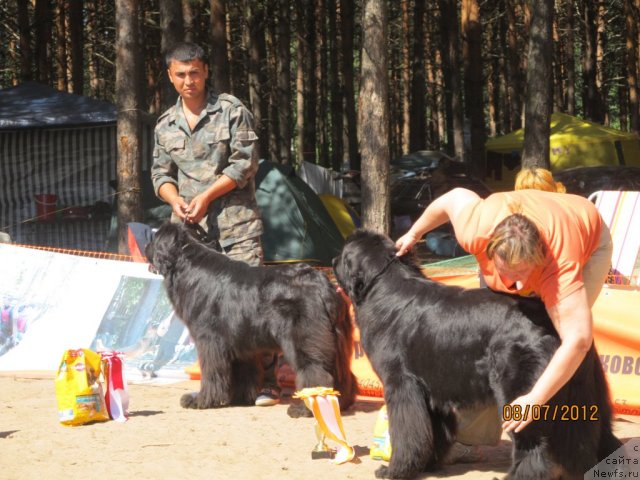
[
  {"x": 323, "y": 402},
  {"x": 117, "y": 394}
]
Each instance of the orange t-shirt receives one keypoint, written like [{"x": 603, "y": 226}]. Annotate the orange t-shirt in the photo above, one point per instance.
[{"x": 570, "y": 226}]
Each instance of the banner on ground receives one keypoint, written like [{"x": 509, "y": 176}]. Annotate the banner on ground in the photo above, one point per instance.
[{"x": 51, "y": 302}]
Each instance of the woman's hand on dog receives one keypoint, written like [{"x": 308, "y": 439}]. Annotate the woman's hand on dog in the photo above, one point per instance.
[
  {"x": 518, "y": 421},
  {"x": 406, "y": 242}
]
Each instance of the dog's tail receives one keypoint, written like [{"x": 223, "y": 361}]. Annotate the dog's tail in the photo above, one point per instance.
[
  {"x": 587, "y": 437},
  {"x": 345, "y": 380},
  {"x": 609, "y": 443}
]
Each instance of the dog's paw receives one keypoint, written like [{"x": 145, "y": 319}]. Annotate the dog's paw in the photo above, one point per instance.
[
  {"x": 197, "y": 401},
  {"x": 297, "y": 409},
  {"x": 189, "y": 400},
  {"x": 382, "y": 472}
]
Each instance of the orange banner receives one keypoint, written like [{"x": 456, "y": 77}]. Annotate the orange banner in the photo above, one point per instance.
[{"x": 617, "y": 338}]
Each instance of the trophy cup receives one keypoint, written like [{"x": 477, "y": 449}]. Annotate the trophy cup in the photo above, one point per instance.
[
  {"x": 321, "y": 450},
  {"x": 323, "y": 403}
]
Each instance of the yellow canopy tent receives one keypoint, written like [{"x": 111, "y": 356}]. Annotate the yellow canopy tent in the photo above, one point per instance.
[{"x": 573, "y": 143}]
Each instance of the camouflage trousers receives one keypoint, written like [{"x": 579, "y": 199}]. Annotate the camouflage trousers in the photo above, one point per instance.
[{"x": 248, "y": 251}]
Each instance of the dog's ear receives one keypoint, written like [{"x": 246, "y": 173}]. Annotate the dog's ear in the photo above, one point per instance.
[
  {"x": 365, "y": 255},
  {"x": 347, "y": 273},
  {"x": 166, "y": 247}
]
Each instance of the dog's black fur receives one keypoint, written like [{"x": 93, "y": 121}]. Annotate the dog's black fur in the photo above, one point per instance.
[
  {"x": 235, "y": 312},
  {"x": 437, "y": 347}
]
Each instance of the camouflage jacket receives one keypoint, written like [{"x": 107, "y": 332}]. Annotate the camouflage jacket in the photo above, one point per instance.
[{"x": 221, "y": 143}]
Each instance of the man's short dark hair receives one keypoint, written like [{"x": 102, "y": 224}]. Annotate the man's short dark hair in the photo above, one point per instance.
[{"x": 184, "y": 52}]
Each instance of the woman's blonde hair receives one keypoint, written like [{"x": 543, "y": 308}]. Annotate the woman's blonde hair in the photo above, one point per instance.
[
  {"x": 538, "y": 179},
  {"x": 517, "y": 240}
]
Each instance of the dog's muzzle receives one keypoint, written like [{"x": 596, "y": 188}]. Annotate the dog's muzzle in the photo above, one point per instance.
[{"x": 153, "y": 269}]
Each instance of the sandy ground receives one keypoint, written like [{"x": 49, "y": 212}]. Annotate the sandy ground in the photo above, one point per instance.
[{"x": 163, "y": 441}]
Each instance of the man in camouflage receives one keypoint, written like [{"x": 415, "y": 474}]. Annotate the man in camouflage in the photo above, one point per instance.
[
  {"x": 205, "y": 159},
  {"x": 204, "y": 166}
]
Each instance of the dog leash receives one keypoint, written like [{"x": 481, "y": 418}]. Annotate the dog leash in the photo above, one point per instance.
[{"x": 201, "y": 235}]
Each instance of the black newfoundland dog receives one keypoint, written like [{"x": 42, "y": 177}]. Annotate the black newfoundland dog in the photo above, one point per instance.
[
  {"x": 437, "y": 347},
  {"x": 235, "y": 312}
]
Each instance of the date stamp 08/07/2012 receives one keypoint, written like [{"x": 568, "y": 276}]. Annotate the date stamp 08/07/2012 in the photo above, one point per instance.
[{"x": 562, "y": 413}]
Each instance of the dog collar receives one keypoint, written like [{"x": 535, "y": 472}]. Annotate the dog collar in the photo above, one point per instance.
[{"x": 365, "y": 290}]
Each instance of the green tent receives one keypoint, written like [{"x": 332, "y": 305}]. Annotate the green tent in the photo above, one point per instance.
[
  {"x": 573, "y": 142},
  {"x": 297, "y": 226}
]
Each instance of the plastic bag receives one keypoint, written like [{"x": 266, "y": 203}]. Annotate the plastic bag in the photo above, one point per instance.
[
  {"x": 78, "y": 389},
  {"x": 381, "y": 448},
  {"x": 117, "y": 395}
]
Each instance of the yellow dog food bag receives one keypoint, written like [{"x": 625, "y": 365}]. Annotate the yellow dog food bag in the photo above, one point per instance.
[
  {"x": 78, "y": 389},
  {"x": 381, "y": 448}
]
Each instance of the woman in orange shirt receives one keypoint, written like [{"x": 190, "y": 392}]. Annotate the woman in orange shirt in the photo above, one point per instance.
[{"x": 532, "y": 242}]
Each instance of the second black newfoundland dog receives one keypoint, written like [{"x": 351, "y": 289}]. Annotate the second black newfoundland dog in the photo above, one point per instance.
[
  {"x": 234, "y": 312},
  {"x": 437, "y": 347}
]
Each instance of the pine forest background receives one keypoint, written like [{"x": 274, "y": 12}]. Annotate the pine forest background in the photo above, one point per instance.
[{"x": 335, "y": 81}]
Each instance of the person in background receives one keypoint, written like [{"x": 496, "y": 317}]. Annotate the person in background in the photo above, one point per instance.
[
  {"x": 528, "y": 242},
  {"x": 538, "y": 179},
  {"x": 204, "y": 166}
]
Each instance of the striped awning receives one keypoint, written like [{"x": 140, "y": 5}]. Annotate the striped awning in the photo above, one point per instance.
[{"x": 75, "y": 164}]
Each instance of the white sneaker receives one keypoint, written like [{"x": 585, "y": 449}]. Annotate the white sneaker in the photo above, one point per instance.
[{"x": 268, "y": 397}]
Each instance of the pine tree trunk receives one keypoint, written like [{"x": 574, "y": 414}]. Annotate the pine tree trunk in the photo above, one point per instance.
[
  {"x": 570, "y": 62},
  {"x": 493, "y": 81},
  {"x": 321, "y": 81},
  {"x": 473, "y": 83},
  {"x": 631, "y": 15},
  {"x": 272, "y": 83},
  {"x": 351, "y": 155},
  {"x": 514, "y": 78},
  {"x": 406, "y": 75},
  {"x": 76, "y": 39},
  {"x": 283, "y": 49},
  {"x": 256, "y": 51},
  {"x": 172, "y": 32},
  {"x": 373, "y": 118},
  {"x": 92, "y": 40},
  {"x": 452, "y": 81},
  {"x": 128, "y": 73},
  {"x": 590, "y": 91},
  {"x": 300, "y": 81},
  {"x": 219, "y": 68},
  {"x": 335, "y": 84},
  {"x": 42, "y": 21},
  {"x": 417, "y": 112},
  {"x": 309, "y": 93},
  {"x": 188, "y": 19},
  {"x": 25, "y": 42},
  {"x": 436, "y": 129},
  {"x": 558, "y": 61},
  {"x": 602, "y": 84},
  {"x": 61, "y": 47},
  {"x": 535, "y": 151}
]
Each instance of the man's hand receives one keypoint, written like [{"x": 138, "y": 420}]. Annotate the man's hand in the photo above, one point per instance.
[
  {"x": 197, "y": 208},
  {"x": 180, "y": 207},
  {"x": 406, "y": 243}
]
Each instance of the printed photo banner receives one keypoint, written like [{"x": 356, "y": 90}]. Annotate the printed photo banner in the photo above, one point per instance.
[{"x": 51, "y": 302}]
